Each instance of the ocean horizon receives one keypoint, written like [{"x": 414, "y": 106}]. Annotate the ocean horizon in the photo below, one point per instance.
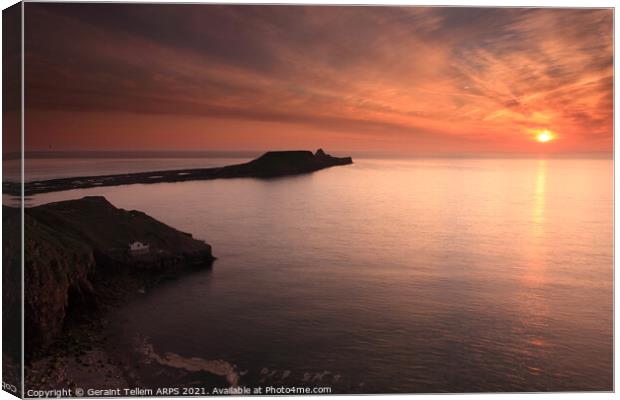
[{"x": 41, "y": 165}]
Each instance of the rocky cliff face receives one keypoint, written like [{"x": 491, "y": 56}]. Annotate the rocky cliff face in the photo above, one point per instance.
[
  {"x": 109, "y": 231},
  {"x": 77, "y": 252},
  {"x": 56, "y": 266}
]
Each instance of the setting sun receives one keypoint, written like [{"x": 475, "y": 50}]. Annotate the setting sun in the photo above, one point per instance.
[{"x": 545, "y": 136}]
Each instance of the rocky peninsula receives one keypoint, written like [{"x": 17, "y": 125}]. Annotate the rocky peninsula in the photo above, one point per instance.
[
  {"x": 272, "y": 164},
  {"x": 85, "y": 257}
]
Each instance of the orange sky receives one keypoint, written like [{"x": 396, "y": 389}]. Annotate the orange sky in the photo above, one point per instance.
[{"x": 408, "y": 79}]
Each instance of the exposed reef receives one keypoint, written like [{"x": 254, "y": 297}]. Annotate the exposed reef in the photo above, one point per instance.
[
  {"x": 78, "y": 259},
  {"x": 270, "y": 165}
]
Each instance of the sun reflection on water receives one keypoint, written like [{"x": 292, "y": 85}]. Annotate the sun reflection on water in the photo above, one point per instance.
[{"x": 539, "y": 198}]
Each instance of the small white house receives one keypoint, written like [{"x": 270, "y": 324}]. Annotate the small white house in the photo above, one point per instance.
[{"x": 139, "y": 248}]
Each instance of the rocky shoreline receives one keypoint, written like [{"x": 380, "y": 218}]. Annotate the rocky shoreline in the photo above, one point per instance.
[
  {"x": 92, "y": 354},
  {"x": 79, "y": 260},
  {"x": 79, "y": 267}
]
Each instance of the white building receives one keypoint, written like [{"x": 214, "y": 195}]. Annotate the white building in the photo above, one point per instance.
[{"x": 139, "y": 247}]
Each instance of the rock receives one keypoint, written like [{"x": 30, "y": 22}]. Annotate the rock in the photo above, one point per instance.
[
  {"x": 270, "y": 165},
  {"x": 282, "y": 163},
  {"x": 117, "y": 228},
  {"x": 76, "y": 253}
]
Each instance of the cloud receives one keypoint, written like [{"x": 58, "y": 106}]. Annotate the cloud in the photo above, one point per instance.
[{"x": 487, "y": 75}]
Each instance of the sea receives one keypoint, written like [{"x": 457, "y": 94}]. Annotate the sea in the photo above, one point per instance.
[{"x": 390, "y": 275}]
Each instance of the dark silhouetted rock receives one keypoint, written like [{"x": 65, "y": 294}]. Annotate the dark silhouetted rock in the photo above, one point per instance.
[
  {"x": 77, "y": 254},
  {"x": 270, "y": 165}
]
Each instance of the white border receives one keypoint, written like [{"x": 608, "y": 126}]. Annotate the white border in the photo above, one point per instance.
[{"x": 479, "y": 3}]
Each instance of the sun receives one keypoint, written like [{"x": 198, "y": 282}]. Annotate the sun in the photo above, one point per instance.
[{"x": 545, "y": 136}]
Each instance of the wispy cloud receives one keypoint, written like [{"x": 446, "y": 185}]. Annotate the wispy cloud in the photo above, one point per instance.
[{"x": 479, "y": 78}]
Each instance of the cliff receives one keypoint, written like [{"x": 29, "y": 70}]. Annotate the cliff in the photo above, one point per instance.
[
  {"x": 77, "y": 257},
  {"x": 270, "y": 165}
]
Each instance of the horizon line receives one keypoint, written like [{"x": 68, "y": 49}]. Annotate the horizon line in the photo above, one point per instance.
[{"x": 42, "y": 154}]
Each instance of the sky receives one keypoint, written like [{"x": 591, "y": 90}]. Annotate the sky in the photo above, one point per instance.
[{"x": 403, "y": 79}]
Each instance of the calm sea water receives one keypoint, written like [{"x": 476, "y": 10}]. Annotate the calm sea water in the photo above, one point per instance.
[{"x": 393, "y": 275}]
